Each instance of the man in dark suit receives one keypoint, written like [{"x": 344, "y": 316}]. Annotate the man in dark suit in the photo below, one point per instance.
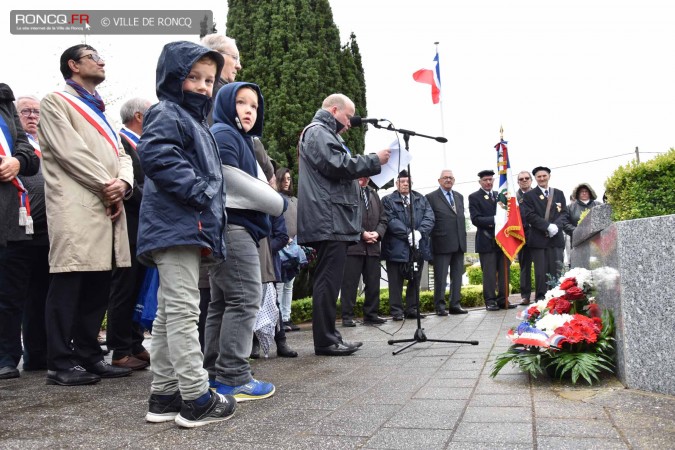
[
  {"x": 363, "y": 259},
  {"x": 482, "y": 208},
  {"x": 125, "y": 337},
  {"x": 448, "y": 243},
  {"x": 524, "y": 255},
  {"x": 545, "y": 211}
]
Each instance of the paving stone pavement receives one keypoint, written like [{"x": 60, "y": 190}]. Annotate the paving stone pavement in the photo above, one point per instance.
[{"x": 430, "y": 396}]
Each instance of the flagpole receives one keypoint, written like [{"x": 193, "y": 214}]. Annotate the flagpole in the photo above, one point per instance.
[
  {"x": 445, "y": 153},
  {"x": 507, "y": 277}
]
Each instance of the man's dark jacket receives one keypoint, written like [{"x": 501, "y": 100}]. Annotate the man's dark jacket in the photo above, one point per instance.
[
  {"x": 482, "y": 209},
  {"x": 449, "y": 232},
  {"x": 328, "y": 193},
  {"x": 372, "y": 219},
  {"x": 395, "y": 246},
  {"x": 534, "y": 205}
]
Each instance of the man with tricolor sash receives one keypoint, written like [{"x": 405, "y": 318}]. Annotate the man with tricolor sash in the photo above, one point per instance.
[
  {"x": 87, "y": 177},
  {"x": 16, "y": 158}
]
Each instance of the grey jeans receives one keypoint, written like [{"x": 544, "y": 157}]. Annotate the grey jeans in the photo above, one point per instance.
[
  {"x": 236, "y": 292},
  {"x": 285, "y": 296},
  {"x": 177, "y": 361}
]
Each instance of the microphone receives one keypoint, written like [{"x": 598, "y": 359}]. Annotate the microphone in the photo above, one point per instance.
[{"x": 357, "y": 121}]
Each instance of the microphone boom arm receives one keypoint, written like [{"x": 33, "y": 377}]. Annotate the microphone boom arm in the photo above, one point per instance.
[{"x": 408, "y": 133}]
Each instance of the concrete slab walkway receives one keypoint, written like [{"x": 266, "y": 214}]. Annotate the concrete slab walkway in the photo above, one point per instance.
[{"x": 431, "y": 396}]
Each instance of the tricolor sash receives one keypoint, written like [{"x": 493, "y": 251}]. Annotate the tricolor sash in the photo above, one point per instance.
[
  {"x": 131, "y": 137},
  {"x": 35, "y": 144},
  {"x": 92, "y": 115},
  {"x": 6, "y": 144}
]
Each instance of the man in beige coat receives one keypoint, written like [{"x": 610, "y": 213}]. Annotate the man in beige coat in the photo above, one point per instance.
[{"x": 87, "y": 176}]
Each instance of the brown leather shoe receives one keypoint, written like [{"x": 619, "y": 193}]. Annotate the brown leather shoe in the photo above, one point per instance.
[
  {"x": 143, "y": 356},
  {"x": 130, "y": 362}
]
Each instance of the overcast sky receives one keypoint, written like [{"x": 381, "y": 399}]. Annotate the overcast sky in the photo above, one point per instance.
[{"x": 571, "y": 82}]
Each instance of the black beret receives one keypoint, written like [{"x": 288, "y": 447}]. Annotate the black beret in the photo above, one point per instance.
[
  {"x": 485, "y": 173},
  {"x": 540, "y": 168},
  {"x": 403, "y": 174}
]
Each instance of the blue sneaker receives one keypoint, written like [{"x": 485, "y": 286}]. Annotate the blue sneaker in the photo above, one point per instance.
[{"x": 253, "y": 390}]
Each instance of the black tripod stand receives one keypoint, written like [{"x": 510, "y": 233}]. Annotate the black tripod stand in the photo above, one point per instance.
[{"x": 413, "y": 267}]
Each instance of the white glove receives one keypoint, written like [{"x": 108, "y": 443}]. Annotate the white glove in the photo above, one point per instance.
[
  {"x": 418, "y": 237},
  {"x": 552, "y": 230}
]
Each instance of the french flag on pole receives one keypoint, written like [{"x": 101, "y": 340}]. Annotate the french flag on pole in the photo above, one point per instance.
[{"x": 432, "y": 77}]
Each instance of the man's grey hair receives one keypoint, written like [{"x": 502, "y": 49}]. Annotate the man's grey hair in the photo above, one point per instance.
[
  {"x": 217, "y": 42},
  {"x": 339, "y": 100},
  {"x": 131, "y": 107},
  {"x": 26, "y": 97}
]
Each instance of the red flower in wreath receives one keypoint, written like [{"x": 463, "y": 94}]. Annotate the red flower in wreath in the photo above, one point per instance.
[
  {"x": 562, "y": 306},
  {"x": 568, "y": 283},
  {"x": 574, "y": 293},
  {"x": 593, "y": 310},
  {"x": 559, "y": 305},
  {"x": 580, "y": 329}
]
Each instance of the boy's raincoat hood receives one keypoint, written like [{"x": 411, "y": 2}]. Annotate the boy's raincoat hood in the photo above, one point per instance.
[
  {"x": 225, "y": 109},
  {"x": 173, "y": 67}
]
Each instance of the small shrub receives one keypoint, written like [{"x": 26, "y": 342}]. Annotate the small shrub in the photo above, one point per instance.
[{"x": 643, "y": 190}]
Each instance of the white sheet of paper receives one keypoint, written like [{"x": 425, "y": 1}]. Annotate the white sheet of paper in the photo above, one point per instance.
[{"x": 394, "y": 166}]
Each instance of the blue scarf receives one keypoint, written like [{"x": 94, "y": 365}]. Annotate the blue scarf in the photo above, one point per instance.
[{"x": 95, "y": 99}]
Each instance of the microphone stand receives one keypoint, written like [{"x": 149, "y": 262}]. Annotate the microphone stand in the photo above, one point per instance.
[{"x": 419, "y": 335}]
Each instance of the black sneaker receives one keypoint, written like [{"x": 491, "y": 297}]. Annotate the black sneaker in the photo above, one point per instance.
[
  {"x": 219, "y": 407},
  {"x": 290, "y": 326},
  {"x": 163, "y": 408}
]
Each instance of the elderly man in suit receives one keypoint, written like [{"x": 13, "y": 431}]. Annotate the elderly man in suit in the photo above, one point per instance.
[
  {"x": 545, "y": 211},
  {"x": 448, "y": 243},
  {"x": 483, "y": 207}
]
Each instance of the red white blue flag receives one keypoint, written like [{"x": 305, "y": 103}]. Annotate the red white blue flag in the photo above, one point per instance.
[
  {"x": 510, "y": 234},
  {"x": 432, "y": 77}
]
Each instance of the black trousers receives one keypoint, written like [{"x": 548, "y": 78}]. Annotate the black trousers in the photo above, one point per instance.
[
  {"x": 76, "y": 304},
  {"x": 355, "y": 267},
  {"x": 548, "y": 262},
  {"x": 204, "y": 300},
  {"x": 412, "y": 296},
  {"x": 495, "y": 275},
  {"x": 330, "y": 265},
  {"x": 455, "y": 262},
  {"x": 24, "y": 281},
  {"x": 525, "y": 261},
  {"x": 124, "y": 336}
]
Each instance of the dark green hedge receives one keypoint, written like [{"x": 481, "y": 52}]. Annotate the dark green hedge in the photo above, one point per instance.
[
  {"x": 643, "y": 190},
  {"x": 475, "y": 274},
  {"x": 301, "y": 309}
]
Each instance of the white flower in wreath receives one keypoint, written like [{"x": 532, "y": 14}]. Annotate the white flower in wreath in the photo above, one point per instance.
[
  {"x": 550, "y": 322},
  {"x": 553, "y": 293},
  {"x": 583, "y": 276}
]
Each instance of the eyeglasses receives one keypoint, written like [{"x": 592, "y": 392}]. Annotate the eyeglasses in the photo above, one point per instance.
[
  {"x": 447, "y": 178},
  {"x": 523, "y": 179},
  {"x": 235, "y": 57},
  {"x": 28, "y": 111},
  {"x": 93, "y": 56}
]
